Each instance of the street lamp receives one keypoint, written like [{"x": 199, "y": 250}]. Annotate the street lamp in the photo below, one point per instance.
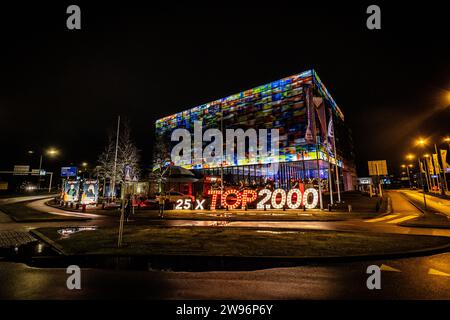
[
  {"x": 422, "y": 143},
  {"x": 51, "y": 152},
  {"x": 84, "y": 165},
  {"x": 407, "y": 170},
  {"x": 410, "y": 157},
  {"x": 447, "y": 139}
]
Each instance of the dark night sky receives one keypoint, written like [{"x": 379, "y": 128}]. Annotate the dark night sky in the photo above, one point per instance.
[{"x": 65, "y": 88}]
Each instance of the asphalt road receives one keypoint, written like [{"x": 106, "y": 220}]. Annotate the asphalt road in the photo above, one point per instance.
[
  {"x": 411, "y": 278},
  {"x": 416, "y": 278}
]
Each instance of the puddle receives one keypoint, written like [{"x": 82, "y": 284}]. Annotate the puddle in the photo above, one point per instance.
[{"x": 68, "y": 231}]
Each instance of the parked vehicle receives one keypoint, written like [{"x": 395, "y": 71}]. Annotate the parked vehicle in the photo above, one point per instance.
[{"x": 173, "y": 196}]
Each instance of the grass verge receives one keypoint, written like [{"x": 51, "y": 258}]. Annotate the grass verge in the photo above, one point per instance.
[{"x": 238, "y": 242}]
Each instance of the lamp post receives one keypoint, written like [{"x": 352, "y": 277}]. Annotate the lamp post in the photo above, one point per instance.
[
  {"x": 421, "y": 143},
  {"x": 447, "y": 139},
  {"x": 407, "y": 171},
  {"x": 84, "y": 165},
  {"x": 444, "y": 162},
  {"x": 52, "y": 152}
]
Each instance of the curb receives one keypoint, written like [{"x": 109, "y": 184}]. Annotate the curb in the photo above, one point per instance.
[
  {"x": 389, "y": 205},
  {"x": 418, "y": 225},
  {"x": 211, "y": 263},
  {"x": 58, "y": 248},
  {"x": 248, "y": 261},
  {"x": 24, "y": 220}
]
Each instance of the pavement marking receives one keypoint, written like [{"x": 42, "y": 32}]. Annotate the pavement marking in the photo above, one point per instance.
[
  {"x": 75, "y": 214},
  {"x": 403, "y": 219},
  {"x": 438, "y": 273},
  {"x": 385, "y": 267},
  {"x": 389, "y": 216}
]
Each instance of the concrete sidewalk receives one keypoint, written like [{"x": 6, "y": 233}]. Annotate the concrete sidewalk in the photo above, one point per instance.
[{"x": 438, "y": 204}]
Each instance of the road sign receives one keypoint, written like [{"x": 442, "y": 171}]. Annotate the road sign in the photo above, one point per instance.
[
  {"x": 36, "y": 172},
  {"x": 127, "y": 173},
  {"x": 378, "y": 168},
  {"x": 364, "y": 180},
  {"x": 68, "y": 172},
  {"x": 20, "y": 170}
]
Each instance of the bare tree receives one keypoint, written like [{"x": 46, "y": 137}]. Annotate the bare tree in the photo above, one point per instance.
[
  {"x": 128, "y": 155},
  {"x": 161, "y": 162}
]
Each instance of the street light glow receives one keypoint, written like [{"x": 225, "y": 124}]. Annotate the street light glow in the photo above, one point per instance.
[
  {"x": 52, "y": 152},
  {"x": 421, "y": 142}
]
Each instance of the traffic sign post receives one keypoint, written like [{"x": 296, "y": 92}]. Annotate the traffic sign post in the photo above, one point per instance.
[{"x": 378, "y": 168}]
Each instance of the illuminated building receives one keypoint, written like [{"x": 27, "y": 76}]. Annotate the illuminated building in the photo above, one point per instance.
[{"x": 311, "y": 128}]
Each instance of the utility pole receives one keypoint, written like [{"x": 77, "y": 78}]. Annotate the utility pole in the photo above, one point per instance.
[
  {"x": 335, "y": 159},
  {"x": 39, "y": 173},
  {"x": 113, "y": 184},
  {"x": 423, "y": 185},
  {"x": 221, "y": 163},
  {"x": 330, "y": 182},
  {"x": 50, "y": 183},
  {"x": 379, "y": 180},
  {"x": 318, "y": 173},
  {"x": 409, "y": 178}
]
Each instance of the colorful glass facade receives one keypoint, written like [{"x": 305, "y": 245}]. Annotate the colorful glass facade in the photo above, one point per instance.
[{"x": 293, "y": 105}]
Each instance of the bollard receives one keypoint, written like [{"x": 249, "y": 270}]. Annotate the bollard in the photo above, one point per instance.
[
  {"x": 245, "y": 208},
  {"x": 304, "y": 208},
  {"x": 284, "y": 207},
  {"x": 349, "y": 208},
  {"x": 329, "y": 207},
  {"x": 83, "y": 207}
]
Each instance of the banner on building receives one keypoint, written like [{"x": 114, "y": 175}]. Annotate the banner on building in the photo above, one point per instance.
[
  {"x": 422, "y": 170},
  {"x": 444, "y": 160},
  {"x": 437, "y": 167},
  {"x": 331, "y": 133},
  {"x": 310, "y": 135},
  {"x": 430, "y": 165},
  {"x": 71, "y": 191},
  {"x": 322, "y": 116}
]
